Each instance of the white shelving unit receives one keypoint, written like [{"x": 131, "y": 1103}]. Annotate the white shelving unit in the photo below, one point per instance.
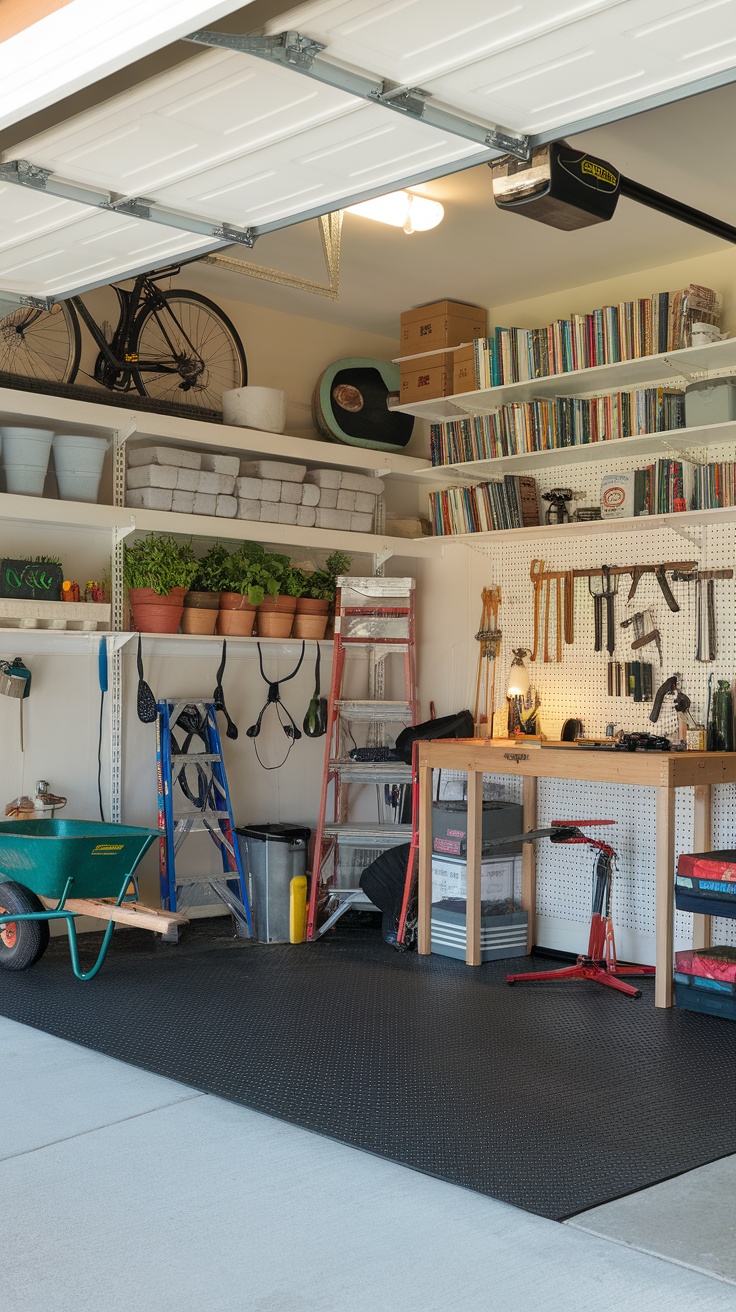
[
  {"x": 116, "y": 522},
  {"x": 66, "y": 415},
  {"x": 673, "y": 367},
  {"x": 676, "y": 441}
]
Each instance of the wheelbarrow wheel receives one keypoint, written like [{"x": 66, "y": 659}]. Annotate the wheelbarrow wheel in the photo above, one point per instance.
[{"x": 22, "y": 942}]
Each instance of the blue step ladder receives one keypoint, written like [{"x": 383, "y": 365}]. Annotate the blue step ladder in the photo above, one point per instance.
[{"x": 193, "y": 796}]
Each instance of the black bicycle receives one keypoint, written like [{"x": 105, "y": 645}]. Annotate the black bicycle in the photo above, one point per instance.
[{"x": 175, "y": 346}]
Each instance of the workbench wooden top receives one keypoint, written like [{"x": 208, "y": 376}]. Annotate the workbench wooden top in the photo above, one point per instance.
[{"x": 648, "y": 769}]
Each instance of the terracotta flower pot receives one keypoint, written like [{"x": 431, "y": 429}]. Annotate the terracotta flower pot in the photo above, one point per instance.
[
  {"x": 153, "y": 613},
  {"x": 200, "y": 612},
  {"x": 310, "y": 620},
  {"x": 276, "y": 616},
  {"x": 236, "y": 616}
]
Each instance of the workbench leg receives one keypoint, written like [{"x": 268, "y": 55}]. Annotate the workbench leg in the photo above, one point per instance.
[
  {"x": 664, "y": 896},
  {"x": 702, "y": 842},
  {"x": 529, "y": 861},
  {"x": 424, "y": 892},
  {"x": 473, "y": 868}
]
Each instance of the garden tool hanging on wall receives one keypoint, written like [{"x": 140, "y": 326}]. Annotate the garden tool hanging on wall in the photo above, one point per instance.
[
  {"x": 145, "y": 700},
  {"x": 15, "y": 681},
  {"x": 489, "y": 637},
  {"x": 285, "y": 718},
  {"x": 315, "y": 720},
  {"x": 218, "y": 697},
  {"x": 706, "y": 643}
]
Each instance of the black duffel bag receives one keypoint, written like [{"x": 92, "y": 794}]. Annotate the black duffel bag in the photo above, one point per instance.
[
  {"x": 459, "y": 725},
  {"x": 383, "y": 882}
]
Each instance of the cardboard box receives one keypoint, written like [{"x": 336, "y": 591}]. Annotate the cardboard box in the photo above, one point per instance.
[
  {"x": 443, "y": 323},
  {"x": 464, "y": 370},
  {"x": 426, "y": 382}
]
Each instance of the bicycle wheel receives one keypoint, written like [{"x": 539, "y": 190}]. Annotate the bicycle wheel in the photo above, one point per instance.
[
  {"x": 41, "y": 344},
  {"x": 201, "y": 345}
]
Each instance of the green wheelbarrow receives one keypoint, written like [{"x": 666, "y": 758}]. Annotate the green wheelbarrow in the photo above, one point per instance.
[{"x": 59, "y": 869}]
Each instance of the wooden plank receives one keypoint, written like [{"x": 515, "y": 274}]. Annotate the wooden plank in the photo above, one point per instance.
[
  {"x": 649, "y": 769},
  {"x": 473, "y": 868},
  {"x": 424, "y": 912},
  {"x": 664, "y": 874},
  {"x": 702, "y": 842},
  {"x": 529, "y": 861},
  {"x": 131, "y": 913}
]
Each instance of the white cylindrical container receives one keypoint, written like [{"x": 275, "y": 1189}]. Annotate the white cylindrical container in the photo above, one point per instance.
[
  {"x": 255, "y": 407},
  {"x": 25, "y": 456},
  {"x": 78, "y": 461}
]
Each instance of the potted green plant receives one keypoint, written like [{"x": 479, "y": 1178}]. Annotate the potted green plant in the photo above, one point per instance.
[
  {"x": 158, "y": 571},
  {"x": 318, "y": 598},
  {"x": 202, "y": 602},
  {"x": 286, "y": 584},
  {"x": 245, "y": 583}
]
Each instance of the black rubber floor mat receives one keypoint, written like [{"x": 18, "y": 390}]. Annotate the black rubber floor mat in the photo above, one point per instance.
[{"x": 552, "y": 1097}]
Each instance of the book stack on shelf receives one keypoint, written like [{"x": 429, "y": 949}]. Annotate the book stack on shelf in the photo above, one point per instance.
[
  {"x": 672, "y": 486},
  {"x": 714, "y": 485},
  {"x": 562, "y": 421},
  {"x": 510, "y": 502},
  {"x": 627, "y": 331}
]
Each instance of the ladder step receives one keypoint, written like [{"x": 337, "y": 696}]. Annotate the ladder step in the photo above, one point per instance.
[
  {"x": 365, "y": 834},
  {"x": 372, "y": 710},
  {"x": 203, "y": 758},
  {"x": 371, "y": 772}
]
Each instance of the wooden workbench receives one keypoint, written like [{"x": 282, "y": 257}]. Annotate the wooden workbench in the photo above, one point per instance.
[{"x": 664, "y": 771}]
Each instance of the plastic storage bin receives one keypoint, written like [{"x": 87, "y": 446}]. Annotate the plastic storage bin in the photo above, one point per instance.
[
  {"x": 272, "y": 855},
  {"x": 710, "y": 402}
]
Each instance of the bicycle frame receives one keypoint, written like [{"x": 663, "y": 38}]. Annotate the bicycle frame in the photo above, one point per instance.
[{"x": 118, "y": 366}]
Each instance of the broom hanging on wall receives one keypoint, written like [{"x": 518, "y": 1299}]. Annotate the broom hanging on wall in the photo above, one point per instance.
[{"x": 489, "y": 637}]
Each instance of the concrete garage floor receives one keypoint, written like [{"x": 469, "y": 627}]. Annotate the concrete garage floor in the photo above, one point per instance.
[{"x": 121, "y": 1190}]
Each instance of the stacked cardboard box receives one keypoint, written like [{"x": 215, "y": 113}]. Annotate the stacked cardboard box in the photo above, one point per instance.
[{"x": 429, "y": 328}]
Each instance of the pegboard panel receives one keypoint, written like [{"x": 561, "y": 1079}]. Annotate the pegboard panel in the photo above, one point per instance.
[{"x": 577, "y": 686}]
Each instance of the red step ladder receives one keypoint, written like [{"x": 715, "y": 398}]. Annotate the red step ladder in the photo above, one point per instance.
[{"x": 374, "y": 618}]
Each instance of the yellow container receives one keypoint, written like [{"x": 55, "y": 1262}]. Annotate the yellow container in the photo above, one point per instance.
[{"x": 298, "y": 909}]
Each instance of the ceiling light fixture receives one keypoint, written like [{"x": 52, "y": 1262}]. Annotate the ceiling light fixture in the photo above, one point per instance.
[{"x": 401, "y": 209}]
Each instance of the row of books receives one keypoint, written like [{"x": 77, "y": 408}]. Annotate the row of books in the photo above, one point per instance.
[
  {"x": 714, "y": 485},
  {"x": 561, "y": 421},
  {"x": 662, "y": 488},
  {"x": 627, "y": 331},
  {"x": 675, "y": 485},
  {"x": 510, "y": 502}
]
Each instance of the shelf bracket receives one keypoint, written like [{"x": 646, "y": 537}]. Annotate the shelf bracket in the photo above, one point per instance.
[{"x": 691, "y": 535}]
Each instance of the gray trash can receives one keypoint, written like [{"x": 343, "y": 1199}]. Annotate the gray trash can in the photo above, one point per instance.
[{"x": 272, "y": 855}]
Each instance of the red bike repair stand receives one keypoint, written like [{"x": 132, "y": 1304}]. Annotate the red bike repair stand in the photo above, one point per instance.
[{"x": 599, "y": 963}]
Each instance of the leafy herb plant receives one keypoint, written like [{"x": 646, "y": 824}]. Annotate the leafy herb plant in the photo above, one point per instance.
[{"x": 161, "y": 563}]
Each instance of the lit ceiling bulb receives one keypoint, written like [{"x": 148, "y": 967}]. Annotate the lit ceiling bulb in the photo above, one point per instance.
[{"x": 402, "y": 209}]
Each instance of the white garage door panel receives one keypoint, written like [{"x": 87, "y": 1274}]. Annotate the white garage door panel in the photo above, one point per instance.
[
  {"x": 28, "y": 214},
  {"x": 182, "y": 123},
  {"x": 411, "y": 41},
  {"x": 86, "y": 40},
  {"x": 368, "y": 148},
  {"x": 91, "y": 251},
  {"x": 531, "y": 66}
]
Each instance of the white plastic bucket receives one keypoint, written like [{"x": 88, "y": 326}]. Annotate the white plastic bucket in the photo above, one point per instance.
[
  {"x": 78, "y": 461},
  {"x": 25, "y": 456},
  {"x": 255, "y": 407}
]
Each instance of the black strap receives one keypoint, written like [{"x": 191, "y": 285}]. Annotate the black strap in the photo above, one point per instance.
[{"x": 291, "y": 729}]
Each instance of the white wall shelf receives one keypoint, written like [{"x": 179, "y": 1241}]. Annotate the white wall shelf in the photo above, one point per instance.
[
  {"x": 66, "y": 415},
  {"x": 88, "y": 517},
  {"x": 636, "y": 524},
  {"x": 678, "y": 440},
  {"x": 673, "y": 368}
]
